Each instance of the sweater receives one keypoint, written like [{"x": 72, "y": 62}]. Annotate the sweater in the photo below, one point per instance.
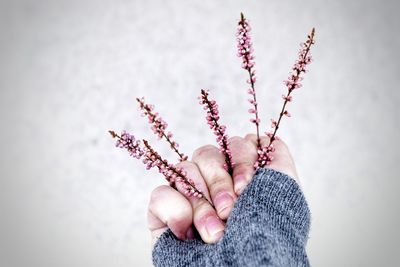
[{"x": 268, "y": 226}]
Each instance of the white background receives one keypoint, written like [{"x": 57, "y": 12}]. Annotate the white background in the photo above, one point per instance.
[{"x": 70, "y": 70}]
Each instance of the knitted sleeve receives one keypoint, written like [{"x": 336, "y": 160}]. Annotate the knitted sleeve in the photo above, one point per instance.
[{"x": 268, "y": 226}]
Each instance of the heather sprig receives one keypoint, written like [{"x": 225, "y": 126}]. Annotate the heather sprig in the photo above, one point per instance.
[
  {"x": 172, "y": 174},
  {"x": 219, "y": 130},
  {"x": 128, "y": 142},
  {"x": 292, "y": 83},
  {"x": 245, "y": 51},
  {"x": 152, "y": 159},
  {"x": 159, "y": 126}
]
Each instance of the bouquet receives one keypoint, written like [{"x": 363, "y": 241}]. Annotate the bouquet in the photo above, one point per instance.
[{"x": 142, "y": 150}]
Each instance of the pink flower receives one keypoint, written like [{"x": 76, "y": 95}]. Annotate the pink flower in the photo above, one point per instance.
[
  {"x": 292, "y": 83},
  {"x": 172, "y": 174},
  {"x": 129, "y": 143},
  {"x": 274, "y": 123},
  {"x": 159, "y": 126},
  {"x": 287, "y": 98},
  {"x": 212, "y": 119},
  {"x": 245, "y": 51},
  {"x": 152, "y": 159}
]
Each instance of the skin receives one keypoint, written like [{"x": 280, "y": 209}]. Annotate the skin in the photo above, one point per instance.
[{"x": 171, "y": 209}]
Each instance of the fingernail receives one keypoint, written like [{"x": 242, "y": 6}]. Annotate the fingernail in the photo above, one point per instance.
[
  {"x": 214, "y": 227},
  {"x": 190, "y": 233},
  {"x": 223, "y": 202}
]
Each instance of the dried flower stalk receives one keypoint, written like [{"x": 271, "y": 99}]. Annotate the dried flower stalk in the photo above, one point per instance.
[
  {"x": 175, "y": 174},
  {"x": 159, "y": 126},
  {"x": 245, "y": 51},
  {"x": 219, "y": 130},
  {"x": 292, "y": 83},
  {"x": 152, "y": 159}
]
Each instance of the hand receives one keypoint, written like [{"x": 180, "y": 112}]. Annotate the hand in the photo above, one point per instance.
[{"x": 171, "y": 209}]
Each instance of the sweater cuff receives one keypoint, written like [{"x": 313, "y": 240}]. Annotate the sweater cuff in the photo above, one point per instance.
[
  {"x": 269, "y": 225},
  {"x": 277, "y": 198}
]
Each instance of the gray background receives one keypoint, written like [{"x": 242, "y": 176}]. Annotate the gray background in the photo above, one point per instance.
[{"x": 70, "y": 70}]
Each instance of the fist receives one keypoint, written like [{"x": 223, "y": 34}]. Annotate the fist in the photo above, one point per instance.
[{"x": 171, "y": 209}]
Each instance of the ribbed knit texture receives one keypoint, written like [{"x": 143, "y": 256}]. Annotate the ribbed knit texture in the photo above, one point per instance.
[{"x": 268, "y": 226}]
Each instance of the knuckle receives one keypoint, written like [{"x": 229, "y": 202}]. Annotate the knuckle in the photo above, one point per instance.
[
  {"x": 204, "y": 150},
  {"x": 202, "y": 208},
  {"x": 234, "y": 139},
  {"x": 185, "y": 164},
  {"x": 247, "y": 143},
  {"x": 280, "y": 145},
  {"x": 157, "y": 192},
  {"x": 250, "y": 136},
  {"x": 156, "y": 195},
  {"x": 217, "y": 183},
  {"x": 244, "y": 165},
  {"x": 265, "y": 140}
]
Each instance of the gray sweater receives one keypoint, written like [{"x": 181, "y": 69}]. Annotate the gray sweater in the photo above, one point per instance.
[{"x": 268, "y": 226}]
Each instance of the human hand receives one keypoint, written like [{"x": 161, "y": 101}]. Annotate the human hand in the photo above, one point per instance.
[{"x": 171, "y": 209}]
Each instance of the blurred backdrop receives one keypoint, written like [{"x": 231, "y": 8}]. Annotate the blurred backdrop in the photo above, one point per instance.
[{"x": 70, "y": 71}]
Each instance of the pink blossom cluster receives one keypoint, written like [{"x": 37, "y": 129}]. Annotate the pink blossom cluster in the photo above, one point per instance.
[
  {"x": 174, "y": 175},
  {"x": 128, "y": 142},
  {"x": 304, "y": 59},
  {"x": 264, "y": 156},
  {"x": 159, "y": 126},
  {"x": 245, "y": 46},
  {"x": 245, "y": 51},
  {"x": 219, "y": 130},
  {"x": 292, "y": 83}
]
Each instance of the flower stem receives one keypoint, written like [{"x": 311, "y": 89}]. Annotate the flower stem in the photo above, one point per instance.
[
  {"x": 291, "y": 88},
  {"x": 219, "y": 130},
  {"x": 245, "y": 51},
  {"x": 159, "y": 126}
]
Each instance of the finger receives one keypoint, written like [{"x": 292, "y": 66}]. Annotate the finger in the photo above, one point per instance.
[
  {"x": 244, "y": 154},
  {"x": 281, "y": 158},
  {"x": 253, "y": 138},
  {"x": 210, "y": 162},
  {"x": 205, "y": 218},
  {"x": 169, "y": 209}
]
